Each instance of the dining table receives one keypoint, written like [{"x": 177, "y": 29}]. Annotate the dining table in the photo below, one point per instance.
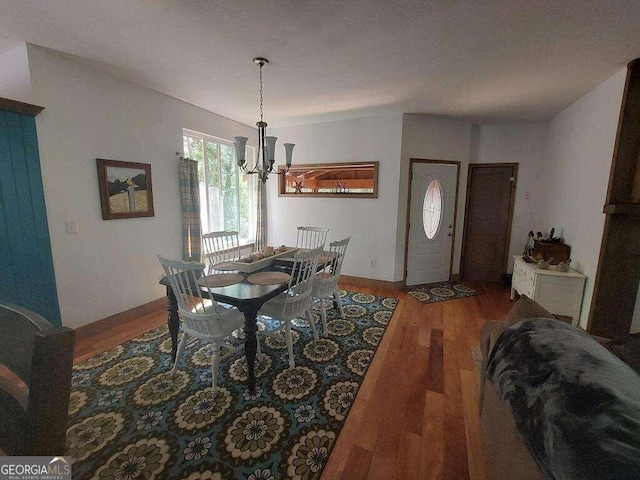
[{"x": 248, "y": 297}]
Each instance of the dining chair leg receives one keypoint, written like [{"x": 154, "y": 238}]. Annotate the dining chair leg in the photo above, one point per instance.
[
  {"x": 312, "y": 323},
  {"x": 181, "y": 345},
  {"x": 289, "y": 340},
  {"x": 259, "y": 350},
  {"x": 323, "y": 315},
  {"x": 215, "y": 362},
  {"x": 338, "y": 300}
]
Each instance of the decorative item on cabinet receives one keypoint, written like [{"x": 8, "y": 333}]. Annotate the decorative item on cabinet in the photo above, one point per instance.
[
  {"x": 544, "y": 264},
  {"x": 528, "y": 247},
  {"x": 555, "y": 252}
]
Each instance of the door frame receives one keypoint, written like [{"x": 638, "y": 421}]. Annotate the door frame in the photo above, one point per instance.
[
  {"x": 512, "y": 201},
  {"x": 412, "y": 162}
]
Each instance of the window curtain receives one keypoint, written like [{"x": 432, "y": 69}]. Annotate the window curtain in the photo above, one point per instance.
[
  {"x": 190, "y": 196},
  {"x": 261, "y": 213}
]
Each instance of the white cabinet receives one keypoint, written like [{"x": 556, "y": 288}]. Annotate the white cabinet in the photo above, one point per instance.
[{"x": 559, "y": 292}]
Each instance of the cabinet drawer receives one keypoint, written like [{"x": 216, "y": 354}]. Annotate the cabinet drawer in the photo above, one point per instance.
[
  {"x": 524, "y": 284},
  {"x": 518, "y": 268}
]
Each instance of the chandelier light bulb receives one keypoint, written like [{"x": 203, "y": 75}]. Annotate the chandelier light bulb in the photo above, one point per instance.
[
  {"x": 241, "y": 146},
  {"x": 288, "y": 151},
  {"x": 271, "y": 148}
]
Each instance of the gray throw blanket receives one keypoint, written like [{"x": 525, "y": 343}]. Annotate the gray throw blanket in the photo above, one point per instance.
[{"x": 576, "y": 405}]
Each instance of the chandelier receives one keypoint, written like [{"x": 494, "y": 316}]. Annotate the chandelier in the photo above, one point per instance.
[{"x": 266, "y": 145}]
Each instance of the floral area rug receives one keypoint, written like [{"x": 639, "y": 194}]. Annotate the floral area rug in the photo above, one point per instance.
[
  {"x": 440, "y": 292},
  {"x": 131, "y": 419}
]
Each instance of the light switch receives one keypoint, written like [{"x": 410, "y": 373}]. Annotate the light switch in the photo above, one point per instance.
[{"x": 72, "y": 227}]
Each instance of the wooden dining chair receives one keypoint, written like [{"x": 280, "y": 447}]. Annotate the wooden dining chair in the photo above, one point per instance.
[
  {"x": 296, "y": 300},
  {"x": 325, "y": 282},
  {"x": 221, "y": 248},
  {"x": 36, "y": 362},
  {"x": 201, "y": 317},
  {"x": 311, "y": 237}
]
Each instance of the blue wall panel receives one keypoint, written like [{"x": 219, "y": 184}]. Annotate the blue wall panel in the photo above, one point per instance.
[{"x": 26, "y": 267}]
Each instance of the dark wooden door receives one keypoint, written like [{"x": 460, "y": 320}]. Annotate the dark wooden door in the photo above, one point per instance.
[{"x": 490, "y": 196}]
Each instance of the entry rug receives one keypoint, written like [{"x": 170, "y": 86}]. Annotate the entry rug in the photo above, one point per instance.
[
  {"x": 130, "y": 419},
  {"x": 439, "y": 292}
]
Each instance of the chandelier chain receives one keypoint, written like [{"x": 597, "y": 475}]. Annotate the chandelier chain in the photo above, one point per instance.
[{"x": 261, "y": 112}]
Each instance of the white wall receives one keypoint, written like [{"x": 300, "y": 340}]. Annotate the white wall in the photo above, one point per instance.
[
  {"x": 15, "y": 79},
  {"x": 432, "y": 138},
  {"x": 370, "y": 222},
  {"x": 581, "y": 140},
  {"x": 110, "y": 266},
  {"x": 525, "y": 144}
]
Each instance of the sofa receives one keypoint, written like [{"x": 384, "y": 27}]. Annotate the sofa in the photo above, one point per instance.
[{"x": 554, "y": 402}]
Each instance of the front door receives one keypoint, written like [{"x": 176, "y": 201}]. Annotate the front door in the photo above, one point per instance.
[{"x": 431, "y": 219}]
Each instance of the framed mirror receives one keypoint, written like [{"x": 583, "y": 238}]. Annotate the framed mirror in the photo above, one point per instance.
[{"x": 348, "y": 180}]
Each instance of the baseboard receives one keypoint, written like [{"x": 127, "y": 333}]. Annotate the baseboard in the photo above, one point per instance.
[
  {"x": 370, "y": 282},
  {"x": 121, "y": 318}
]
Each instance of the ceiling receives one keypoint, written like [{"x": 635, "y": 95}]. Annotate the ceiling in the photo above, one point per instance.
[{"x": 484, "y": 61}]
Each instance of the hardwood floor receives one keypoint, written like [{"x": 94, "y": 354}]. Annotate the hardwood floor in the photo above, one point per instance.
[{"x": 415, "y": 415}]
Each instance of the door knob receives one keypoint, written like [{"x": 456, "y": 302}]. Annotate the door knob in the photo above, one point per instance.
[{"x": 450, "y": 234}]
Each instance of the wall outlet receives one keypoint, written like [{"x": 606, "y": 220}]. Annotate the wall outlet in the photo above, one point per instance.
[
  {"x": 372, "y": 263},
  {"x": 527, "y": 195}
]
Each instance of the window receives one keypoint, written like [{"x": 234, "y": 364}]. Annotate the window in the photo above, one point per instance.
[
  {"x": 226, "y": 194},
  {"x": 432, "y": 209}
]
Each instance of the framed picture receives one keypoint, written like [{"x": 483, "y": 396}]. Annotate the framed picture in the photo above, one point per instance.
[
  {"x": 345, "y": 180},
  {"x": 125, "y": 189}
]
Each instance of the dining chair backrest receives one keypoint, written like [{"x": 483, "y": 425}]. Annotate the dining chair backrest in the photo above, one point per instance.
[
  {"x": 333, "y": 259},
  {"x": 221, "y": 247},
  {"x": 35, "y": 383},
  {"x": 325, "y": 282},
  {"x": 305, "y": 265},
  {"x": 199, "y": 313},
  {"x": 311, "y": 237}
]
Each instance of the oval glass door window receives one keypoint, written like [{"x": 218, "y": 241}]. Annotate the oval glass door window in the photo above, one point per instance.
[{"x": 432, "y": 209}]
